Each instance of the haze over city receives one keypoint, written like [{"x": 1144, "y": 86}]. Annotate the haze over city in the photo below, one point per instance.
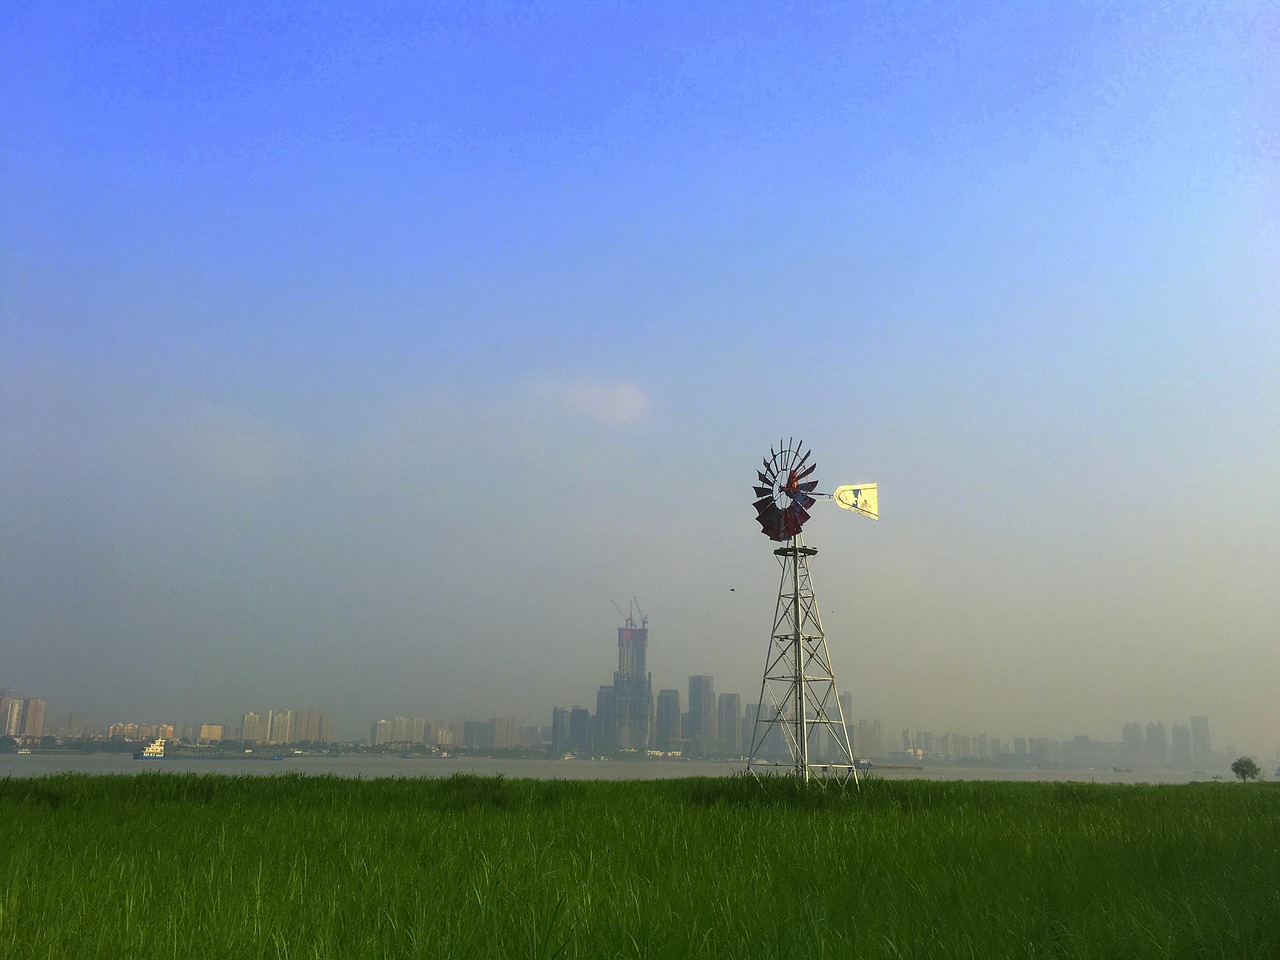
[{"x": 365, "y": 358}]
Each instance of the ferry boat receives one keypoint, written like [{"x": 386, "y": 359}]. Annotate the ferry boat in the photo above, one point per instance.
[{"x": 153, "y": 751}]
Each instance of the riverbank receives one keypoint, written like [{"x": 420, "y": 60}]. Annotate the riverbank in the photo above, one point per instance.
[{"x": 273, "y": 866}]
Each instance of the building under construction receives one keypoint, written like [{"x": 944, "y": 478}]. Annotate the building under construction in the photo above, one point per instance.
[{"x": 632, "y": 701}]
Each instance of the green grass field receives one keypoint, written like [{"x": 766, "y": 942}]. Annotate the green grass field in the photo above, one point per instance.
[{"x": 163, "y": 865}]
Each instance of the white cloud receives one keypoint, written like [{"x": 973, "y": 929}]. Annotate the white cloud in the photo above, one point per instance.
[{"x": 615, "y": 404}]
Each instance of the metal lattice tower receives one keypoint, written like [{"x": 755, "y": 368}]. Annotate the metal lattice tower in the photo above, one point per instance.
[
  {"x": 799, "y": 704},
  {"x": 798, "y": 695}
]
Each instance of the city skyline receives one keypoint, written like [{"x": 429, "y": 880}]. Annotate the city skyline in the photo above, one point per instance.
[
  {"x": 704, "y": 719},
  {"x": 361, "y": 357}
]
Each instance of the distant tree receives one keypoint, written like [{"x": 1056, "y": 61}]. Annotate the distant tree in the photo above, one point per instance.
[
  {"x": 1246, "y": 769},
  {"x": 8, "y": 745}
]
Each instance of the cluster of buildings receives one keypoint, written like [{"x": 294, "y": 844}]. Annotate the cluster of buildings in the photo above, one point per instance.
[
  {"x": 629, "y": 719},
  {"x": 497, "y": 733},
  {"x": 304, "y": 725},
  {"x": 1189, "y": 748},
  {"x": 21, "y": 717}
]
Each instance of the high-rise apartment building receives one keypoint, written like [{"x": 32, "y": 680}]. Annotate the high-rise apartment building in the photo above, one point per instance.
[
  {"x": 504, "y": 733},
  {"x": 10, "y": 717},
  {"x": 253, "y": 727},
  {"x": 668, "y": 720},
  {"x": 280, "y": 726},
  {"x": 306, "y": 726},
  {"x": 702, "y": 709},
  {"x": 33, "y": 717},
  {"x": 632, "y": 689}
]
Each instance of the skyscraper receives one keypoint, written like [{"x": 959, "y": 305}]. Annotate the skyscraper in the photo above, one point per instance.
[
  {"x": 632, "y": 689},
  {"x": 668, "y": 732},
  {"x": 559, "y": 730},
  {"x": 580, "y": 730},
  {"x": 606, "y": 722},
  {"x": 702, "y": 709},
  {"x": 729, "y": 723}
]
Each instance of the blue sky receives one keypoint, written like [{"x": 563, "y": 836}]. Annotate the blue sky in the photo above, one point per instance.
[{"x": 360, "y": 355}]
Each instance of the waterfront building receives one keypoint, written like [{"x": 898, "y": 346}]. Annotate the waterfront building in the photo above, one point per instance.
[
  {"x": 10, "y": 717},
  {"x": 560, "y": 730},
  {"x": 280, "y": 726},
  {"x": 668, "y": 720},
  {"x": 211, "y": 732},
  {"x": 632, "y": 689},
  {"x": 33, "y": 717},
  {"x": 729, "y": 723},
  {"x": 306, "y": 727},
  {"x": 702, "y": 709},
  {"x": 580, "y": 730},
  {"x": 476, "y": 734},
  {"x": 504, "y": 733},
  {"x": 253, "y": 727},
  {"x": 380, "y": 732}
]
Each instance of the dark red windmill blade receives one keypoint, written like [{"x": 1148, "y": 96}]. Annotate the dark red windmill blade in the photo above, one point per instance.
[{"x": 783, "y": 493}]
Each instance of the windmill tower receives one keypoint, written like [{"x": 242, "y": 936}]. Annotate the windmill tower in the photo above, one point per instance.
[{"x": 799, "y": 703}]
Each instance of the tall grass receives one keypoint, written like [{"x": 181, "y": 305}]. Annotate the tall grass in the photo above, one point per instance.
[{"x": 164, "y": 865}]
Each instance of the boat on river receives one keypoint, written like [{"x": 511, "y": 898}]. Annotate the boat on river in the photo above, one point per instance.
[{"x": 152, "y": 751}]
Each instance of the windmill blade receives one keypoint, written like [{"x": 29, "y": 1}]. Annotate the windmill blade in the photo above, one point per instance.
[
  {"x": 763, "y": 491},
  {"x": 807, "y": 470}
]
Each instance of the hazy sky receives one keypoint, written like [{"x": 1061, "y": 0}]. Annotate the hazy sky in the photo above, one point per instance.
[{"x": 359, "y": 356}]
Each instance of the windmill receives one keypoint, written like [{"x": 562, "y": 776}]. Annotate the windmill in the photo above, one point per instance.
[{"x": 798, "y": 695}]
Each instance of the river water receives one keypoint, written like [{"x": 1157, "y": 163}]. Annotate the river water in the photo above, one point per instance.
[{"x": 385, "y": 765}]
